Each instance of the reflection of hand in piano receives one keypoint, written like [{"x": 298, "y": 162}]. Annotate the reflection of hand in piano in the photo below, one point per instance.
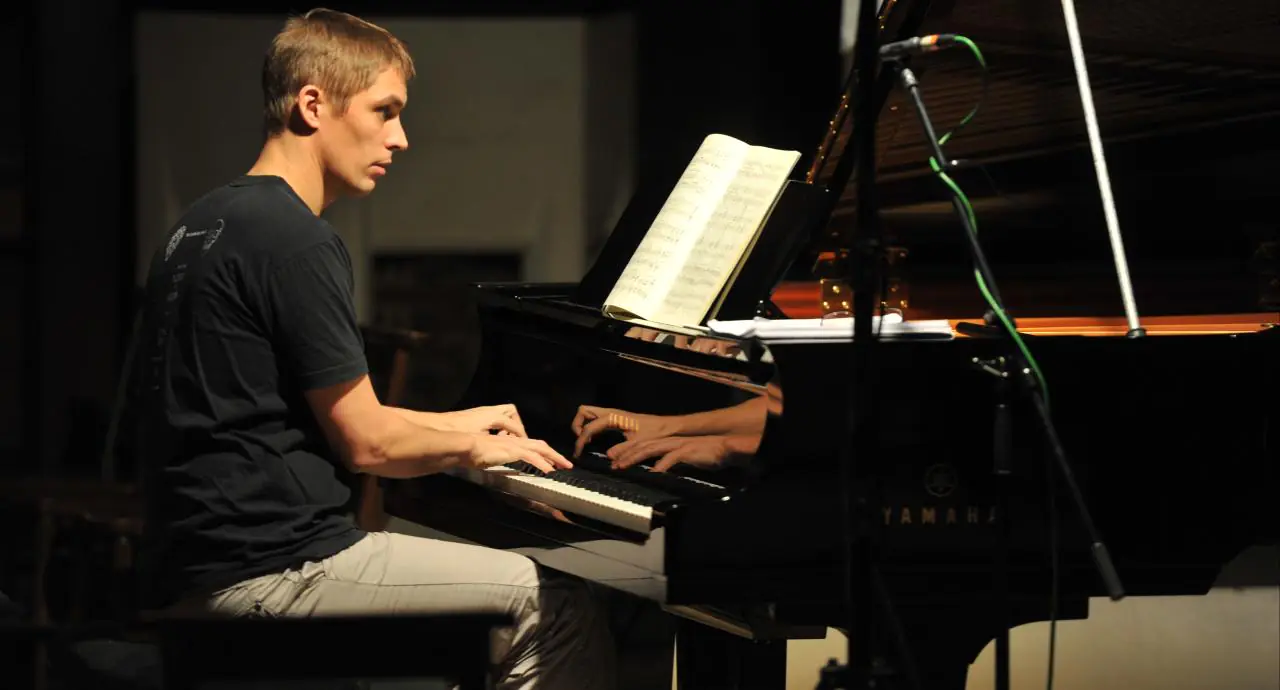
[
  {"x": 711, "y": 346},
  {"x": 707, "y": 452},
  {"x": 743, "y": 422},
  {"x": 715, "y": 346},
  {"x": 648, "y": 335},
  {"x": 591, "y": 421},
  {"x": 653, "y": 335}
]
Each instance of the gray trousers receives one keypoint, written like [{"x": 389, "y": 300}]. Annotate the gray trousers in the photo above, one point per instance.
[{"x": 560, "y": 640}]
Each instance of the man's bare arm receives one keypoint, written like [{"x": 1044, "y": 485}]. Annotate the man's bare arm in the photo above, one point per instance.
[
  {"x": 430, "y": 420},
  {"x": 487, "y": 418},
  {"x": 374, "y": 439},
  {"x": 379, "y": 440}
]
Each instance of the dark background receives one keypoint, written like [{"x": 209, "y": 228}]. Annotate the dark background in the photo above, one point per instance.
[{"x": 1188, "y": 101}]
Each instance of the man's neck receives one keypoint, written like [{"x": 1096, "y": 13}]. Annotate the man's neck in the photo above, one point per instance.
[{"x": 292, "y": 160}]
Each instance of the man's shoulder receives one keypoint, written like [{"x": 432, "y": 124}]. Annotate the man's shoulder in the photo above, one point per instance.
[
  {"x": 273, "y": 217},
  {"x": 255, "y": 223},
  {"x": 257, "y": 218}
]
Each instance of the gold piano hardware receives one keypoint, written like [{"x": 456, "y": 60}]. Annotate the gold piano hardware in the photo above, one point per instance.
[
  {"x": 836, "y": 297},
  {"x": 934, "y": 515}
]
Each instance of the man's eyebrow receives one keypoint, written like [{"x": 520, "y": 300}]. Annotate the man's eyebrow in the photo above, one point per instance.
[{"x": 390, "y": 100}]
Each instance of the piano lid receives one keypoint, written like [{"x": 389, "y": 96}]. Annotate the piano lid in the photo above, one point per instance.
[
  {"x": 1187, "y": 97},
  {"x": 1156, "y": 68}
]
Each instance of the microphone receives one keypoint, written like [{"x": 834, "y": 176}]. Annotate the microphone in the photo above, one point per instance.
[{"x": 916, "y": 46}]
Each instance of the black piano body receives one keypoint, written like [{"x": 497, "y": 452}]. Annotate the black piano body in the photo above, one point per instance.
[
  {"x": 1172, "y": 437},
  {"x": 1174, "y": 454}
]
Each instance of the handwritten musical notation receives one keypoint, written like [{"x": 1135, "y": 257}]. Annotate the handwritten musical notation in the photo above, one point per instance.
[{"x": 702, "y": 232}]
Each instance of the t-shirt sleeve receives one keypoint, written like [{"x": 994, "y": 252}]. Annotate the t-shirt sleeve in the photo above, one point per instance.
[{"x": 313, "y": 317}]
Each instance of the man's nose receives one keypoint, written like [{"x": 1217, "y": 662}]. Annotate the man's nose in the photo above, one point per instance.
[{"x": 399, "y": 141}]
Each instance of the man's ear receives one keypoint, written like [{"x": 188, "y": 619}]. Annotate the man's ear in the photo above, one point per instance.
[{"x": 310, "y": 104}]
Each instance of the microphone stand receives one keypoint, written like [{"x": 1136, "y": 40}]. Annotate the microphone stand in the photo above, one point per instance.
[
  {"x": 1011, "y": 368},
  {"x": 859, "y": 462}
]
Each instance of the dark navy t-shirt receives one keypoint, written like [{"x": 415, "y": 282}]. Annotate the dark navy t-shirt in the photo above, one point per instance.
[{"x": 248, "y": 303}]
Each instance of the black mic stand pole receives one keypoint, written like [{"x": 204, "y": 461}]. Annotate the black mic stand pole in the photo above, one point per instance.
[
  {"x": 861, "y": 460},
  {"x": 1001, "y": 432},
  {"x": 1018, "y": 370}
]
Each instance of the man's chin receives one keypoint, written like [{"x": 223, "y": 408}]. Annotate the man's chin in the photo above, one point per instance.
[{"x": 362, "y": 188}]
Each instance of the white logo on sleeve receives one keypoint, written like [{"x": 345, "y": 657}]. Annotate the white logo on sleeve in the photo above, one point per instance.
[{"x": 174, "y": 240}]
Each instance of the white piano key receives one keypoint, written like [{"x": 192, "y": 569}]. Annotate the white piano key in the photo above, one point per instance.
[{"x": 591, "y": 504}]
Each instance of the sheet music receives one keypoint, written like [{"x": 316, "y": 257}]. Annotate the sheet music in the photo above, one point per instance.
[
  {"x": 692, "y": 202},
  {"x": 730, "y": 229}
]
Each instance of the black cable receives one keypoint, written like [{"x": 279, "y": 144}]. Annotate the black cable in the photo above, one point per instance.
[{"x": 1054, "y": 570}]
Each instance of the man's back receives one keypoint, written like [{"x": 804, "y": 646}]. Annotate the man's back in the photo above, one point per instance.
[{"x": 247, "y": 304}]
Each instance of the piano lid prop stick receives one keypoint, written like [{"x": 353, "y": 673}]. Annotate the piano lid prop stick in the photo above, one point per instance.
[{"x": 1100, "y": 166}]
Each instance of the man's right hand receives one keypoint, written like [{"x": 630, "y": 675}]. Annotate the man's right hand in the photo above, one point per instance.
[{"x": 502, "y": 449}]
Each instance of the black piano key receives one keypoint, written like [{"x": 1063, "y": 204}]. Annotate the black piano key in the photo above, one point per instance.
[{"x": 684, "y": 487}]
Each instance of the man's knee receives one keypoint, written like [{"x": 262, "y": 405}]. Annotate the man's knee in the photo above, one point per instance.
[
  {"x": 569, "y": 609},
  {"x": 549, "y": 603},
  {"x": 561, "y": 636}
]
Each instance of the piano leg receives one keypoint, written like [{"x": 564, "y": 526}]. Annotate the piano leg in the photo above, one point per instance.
[
  {"x": 941, "y": 655},
  {"x": 709, "y": 658},
  {"x": 944, "y": 640}
]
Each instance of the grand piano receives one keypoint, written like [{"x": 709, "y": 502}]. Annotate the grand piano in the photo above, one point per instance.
[{"x": 1171, "y": 436}]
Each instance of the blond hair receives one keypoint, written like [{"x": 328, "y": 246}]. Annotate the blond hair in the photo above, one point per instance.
[{"x": 340, "y": 53}]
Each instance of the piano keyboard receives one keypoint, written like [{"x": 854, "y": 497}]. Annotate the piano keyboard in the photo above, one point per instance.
[{"x": 622, "y": 499}]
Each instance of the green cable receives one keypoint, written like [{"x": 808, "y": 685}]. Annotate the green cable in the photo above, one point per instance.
[
  {"x": 986, "y": 293},
  {"x": 977, "y": 54},
  {"x": 972, "y": 227}
]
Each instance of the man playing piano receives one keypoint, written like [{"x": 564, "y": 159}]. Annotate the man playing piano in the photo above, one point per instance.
[{"x": 253, "y": 392}]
